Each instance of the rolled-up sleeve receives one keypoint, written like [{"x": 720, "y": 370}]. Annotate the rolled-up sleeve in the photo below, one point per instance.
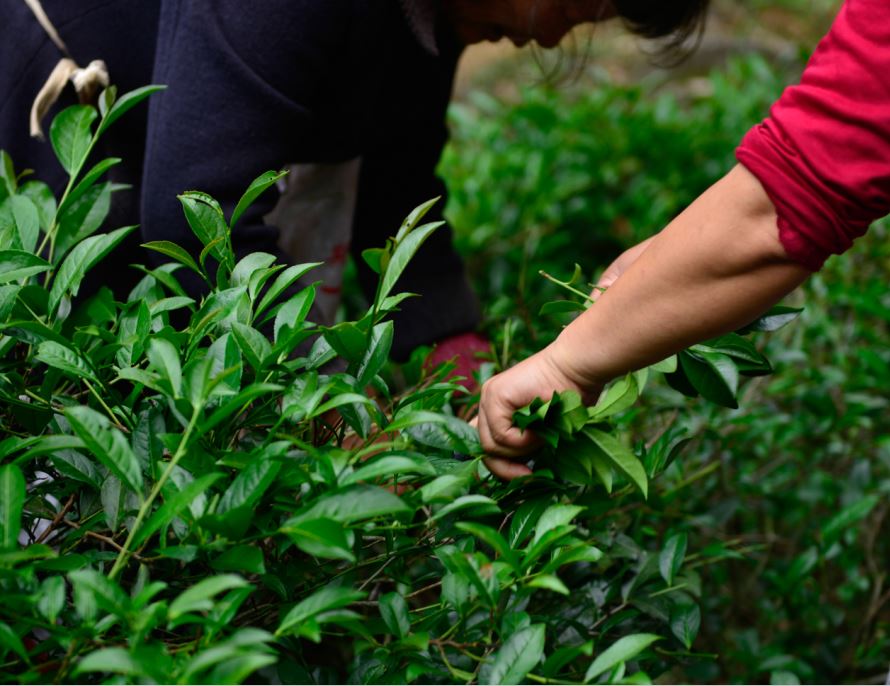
[{"x": 823, "y": 155}]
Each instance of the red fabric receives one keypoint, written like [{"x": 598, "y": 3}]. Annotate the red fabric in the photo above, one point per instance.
[
  {"x": 468, "y": 350},
  {"x": 823, "y": 155}
]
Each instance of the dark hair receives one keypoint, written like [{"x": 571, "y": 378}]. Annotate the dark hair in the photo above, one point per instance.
[{"x": 674, "y": 20}]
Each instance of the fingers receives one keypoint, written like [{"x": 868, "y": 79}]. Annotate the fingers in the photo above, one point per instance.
[
  {"x": 503, "y": 467},
  {"x": 506, "y": 469},
  {"x": 496, "y": 431}
]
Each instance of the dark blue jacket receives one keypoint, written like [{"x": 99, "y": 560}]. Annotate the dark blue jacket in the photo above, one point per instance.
[{"x": 255, "y": 86}]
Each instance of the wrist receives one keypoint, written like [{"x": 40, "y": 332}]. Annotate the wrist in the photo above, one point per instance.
[{"x": 575, "y": 361}]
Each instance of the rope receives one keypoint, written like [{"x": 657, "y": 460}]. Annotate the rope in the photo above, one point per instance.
[
  {"x": 47, "y": 25},
  {"x": 88, "y": 82}
]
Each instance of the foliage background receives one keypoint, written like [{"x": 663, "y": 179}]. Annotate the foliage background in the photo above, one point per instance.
[
  {"x": 796, "y": 482},
  {"x": 202, "y": 504}
]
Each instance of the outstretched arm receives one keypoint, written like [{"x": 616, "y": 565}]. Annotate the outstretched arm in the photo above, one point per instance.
[{"x": 716, "y": 267}]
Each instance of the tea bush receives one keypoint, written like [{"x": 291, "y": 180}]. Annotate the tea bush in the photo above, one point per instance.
[
  {"x": 784, "y": 501},
  {"x": 248, "y": 495}
]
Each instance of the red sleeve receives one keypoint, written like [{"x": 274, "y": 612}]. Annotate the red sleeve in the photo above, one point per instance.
[{"x": 823, "y": 155}]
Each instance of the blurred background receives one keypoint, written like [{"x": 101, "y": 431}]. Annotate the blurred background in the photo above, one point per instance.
[{"x": 573, "y": 155}]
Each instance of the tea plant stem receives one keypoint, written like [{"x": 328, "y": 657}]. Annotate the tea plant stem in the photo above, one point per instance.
[
  {"x": 451, "y": 670},
  {"x": 60, "y": 675},
  {"x": 700, "y": 474},
  {"x": 31, "y": 394},
  {"x": 423, "y": 590},
  {"x": 111, "y": 415},
  {"x": 156, "y": 489},
  {"x": 56, "y": 520},
  {"x": 377, "y": 573},
  {"x": 572, "y": 289},
  {"x": 669, "y": 589},
  {"x": 53, "y": 230}
]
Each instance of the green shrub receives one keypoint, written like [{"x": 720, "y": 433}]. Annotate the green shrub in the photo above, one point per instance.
[{"x": 225, "y": 500}]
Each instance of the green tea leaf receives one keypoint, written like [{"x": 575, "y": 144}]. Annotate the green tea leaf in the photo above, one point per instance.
[
  {"x": 282, "y": 282},
  {"x": 713, "y": 375},
  {"x": 235, "y": 403},
  {"x": 113, "y": 660},
  {"x": 87, "y": 182},
  {"x": 373, "y": 257},
  {"x": 249, "y": 264},
  {"x": 12, "y": 502},
  {"x": 257, "y": 187},
  {"x": 349, "y": 340},
  {"x": 108, "y": 445},
  {"x": 18, "y": 264},
  {"x": 773, "y": 320},
  {"x": 405, "y": 250},
  {"x": 174, "y": 505},
  {"x": 394, "y": 611},
  {"x": 205, "y": 217},
  {"x": 551, "y": 582},
  {"x": 7, "y": 175},
  {"x": 79, "y": 261},
  {"x": 164, "y": 359},
  {"x": 622, "y": 457},
  {"x": 671, "y": 558},
  {"x": 250, "y": 485},
  {"x": 27, "y": 222},
  {"x": 389, "y": 466},
  {"x": 847, "y": 517},
  {"x": 322, "y": 537},
  {"x": 620, "y": 395},
  {"x": 351, "y": 504},
  {"x": 328, "y": 598},
  {"x": 124, "y": 104},
  {"x": 685, "y": 623},
  {"x": 438, "y": 430},
  {"x": 253, "y": 344},
  {"x": 10, "y": 641},
  {"x": 524, "y": 520},
  {"x": 292, "y": 314},
  {"x": 377, "y": 353},
  {"x": 481, "y": 503},
  {"x": 199, "y": 598},
  {"x": 106, "y": 594},
  {"x": 52, "y": 598},
  {"x": 516, "y": 658},
  {"x": 175, "y": 252},
  {"x": 555, "y": 516},
  {"x": 241, "y": 558},
  {"x": 622, "y": 650},
  {"x": 414, "y": 218},
  {"x": 65, "y": 359},
  {"x": 82, "y": 217},
  {"x": 71, "y": 134},
  {"x": 561, "y": 307},
  {"x": 493, "y": 538}
]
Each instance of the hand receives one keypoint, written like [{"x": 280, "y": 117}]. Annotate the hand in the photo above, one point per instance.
[
  {"x": 536, "y": 377},
  {"x": 618, "y": 267}
]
